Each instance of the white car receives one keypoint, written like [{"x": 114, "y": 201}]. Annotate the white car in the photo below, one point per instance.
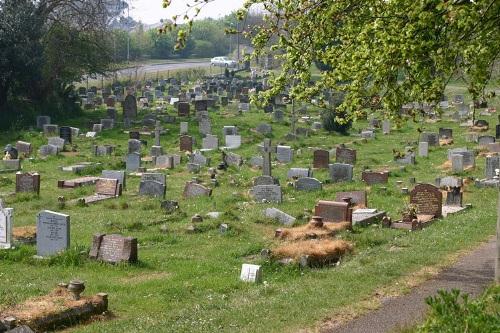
[{"x": 222, "y": 62}]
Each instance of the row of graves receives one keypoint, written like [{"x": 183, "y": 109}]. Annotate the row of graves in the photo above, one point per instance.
[{"x": 311, "y": 245}]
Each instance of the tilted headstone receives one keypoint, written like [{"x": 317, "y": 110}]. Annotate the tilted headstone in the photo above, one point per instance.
[
  {"x": 333, "y": 211},
  {"x": 114, "y": 248},
  {"x": 58, "y": 142},
  {"x": 52, "y": 233},
  {"x": 308, "y": 184},
  {"x": 428, "y": 199},
  {"x": 371, "y": 178},
  {"x": 251, "y": 273},
  {"x": 116, "y": 174},
  {"x": 233, "y": 159},
  {"x": 276, "y": 214},
  {"x": 192, "y": 189}
]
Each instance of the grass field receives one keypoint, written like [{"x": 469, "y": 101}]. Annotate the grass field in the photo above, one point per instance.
[{"x": 190, "y": 282}]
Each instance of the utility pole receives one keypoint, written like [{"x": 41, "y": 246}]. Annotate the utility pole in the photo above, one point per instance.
[
  {"x": 128, "y": 34},
  {"x": 238, "y": 41}
]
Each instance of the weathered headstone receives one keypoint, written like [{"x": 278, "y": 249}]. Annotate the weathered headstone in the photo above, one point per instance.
[
  {"x": 431, "y": 138},
  {"x": 116, "y": 174},
  {"x": 284, "y": 154},
  {"x": 192, "y": 189},
  {"x": 133, "y": 162},
  {"x": 371, "y": 178},
  {"x": 58, "y": 142},
  {"x": 282, "y": 217},
  {"x": 428, "y": 199},
  {"x": 66, "y": 134},
  {"x": 130, "y": 107},
  {"x": 251, "y": 273},
  {"x": 27, "y": 182},
  {"x": 321, "y": 159},
  {"x": 457, "y": 163},
  {"x": 423, "y": 149},
  {"x": 24, "y": 148},
  {"x": 333, "y": 211},
  {"x": 358, "y": 198},
  {"x": 308, "y": 184},
  {"x": 134, "y": 146},
  {"x": 114, "y": 248},
  {"x": 186, "y": 143},
  {"x": 341, "y": 172},
  {"x": 345, "y": 155},
  {"x": 267, "y": 193}
]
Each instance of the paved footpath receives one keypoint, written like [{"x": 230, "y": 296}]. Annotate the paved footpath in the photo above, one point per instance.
[{"x": 471, "y": 274}]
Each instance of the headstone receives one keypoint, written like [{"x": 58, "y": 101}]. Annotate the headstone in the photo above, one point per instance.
[
  {"x": 386, "y": 127},
  {"x": 367, "y": 134},
  {"x": 358, "y": 198},
  {"x": 52, "y": 233},
  {"x": 276, "y": 214},
  {"x": 184, "y": 128},
  {"x": 210, "y": 142},
  {"x": 345, "y": 155},
  {"x": 186, "y": 143},
  {"x": 233, "y": 159},
  {"x": 284, "y": 154},
  {"x": 431, "y": 138},
  {"x": 341, "y": 172},
  {"x": 264, "y": 129},
  {"x": 47, "y": 150},
  {"x": 119, "y": 175},
  {"x": 97, "y": 128},
  {"x": 134, "y": 146},
  {"x": 423, "y": 149},
  {"x": 133, "y": 162},
  {"x": 485, "y": 140},
  {"x": 251, "y": 273},
  {"x": 130, "y": 107},
  {"x": 267, "y": 193},
  {"x": 50, "y": 130},
  {"x": 28, "y": 182},
  {"x": 454, "y": 197},
  {"x": 6, "y": 225},
  {"x": 308, "y": 184},
  {"x": 24, "y": 148},
  {"x": 107, "y": 187},
  {"x": 492, "y": 164},
  {"x": 371, "y": 178},
  {"x": 42, "y": 120},
  {"x": 321, "y": 159},
  {"x": 152, "y": 188},
  {"x": 114, "y": 248},
  {"x": 65, "y": 133},
  {"x": 333, "y": 211},
  {"x": 299, "y": 173},
  {"x": 457, "y": 163},
  {"x": 445, "y": 133},
  {"x": 183, "y": 109},
  {"x": 233, "y": 141},
  {"x": 192, "y": 189},
  {"x": 107, "y": 124},
  {"x": 58, "y": 142},
  {"x": 428, "y": 199}
]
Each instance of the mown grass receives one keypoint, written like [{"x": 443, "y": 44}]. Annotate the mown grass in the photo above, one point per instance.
[{"x": 190, "y": 282}]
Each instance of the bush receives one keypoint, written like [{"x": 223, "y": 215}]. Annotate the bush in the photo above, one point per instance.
[
  {"x": 453, "y": 312},
  {"x": 336, "y": 121}
]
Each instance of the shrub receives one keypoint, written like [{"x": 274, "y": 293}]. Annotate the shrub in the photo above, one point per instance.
[{"x": 336, "y": 121}]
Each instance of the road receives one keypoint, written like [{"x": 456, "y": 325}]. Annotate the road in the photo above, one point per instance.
[{"x": 162, "y": 67}]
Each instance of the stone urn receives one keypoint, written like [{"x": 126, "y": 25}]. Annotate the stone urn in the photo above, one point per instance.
[
  {"x": 76, "y": 287},
  {"x": 316, "y": 221}
]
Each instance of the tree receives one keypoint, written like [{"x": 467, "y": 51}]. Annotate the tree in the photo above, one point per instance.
[{"x": 400, "y": 51}]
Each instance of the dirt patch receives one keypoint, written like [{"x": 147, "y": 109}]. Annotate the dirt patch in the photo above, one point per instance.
[
  {"x": 311, "y": 231},
  {"x": 24, "y": 234},
  {"x": 319, "y": 251}
]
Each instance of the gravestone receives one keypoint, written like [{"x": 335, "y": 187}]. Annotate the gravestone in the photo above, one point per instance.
[
  {"x": 431, "y": 138},
  {"x": 232, "y": 159},
  {"x": 114, "y": 248},
  {"x": 24, "y": 148},
  {"x": 267, "y": 193},
  {"x": 264, "y": 129},
  {"x": 105, "y": 150},
  {"x": 135, "y": 135},
  {"x": 210, "y": 142},
  {"x": 165, "y": 162},
  {"x": 52, "y": 233},
  {"x": 50, "y": 130},
  {"x": 492, "y": 163},
  {"x": 299, "y": 173},
  {"x": 468, "y": 156},
  {"x": 47, "y": 150},
  {"x": 256, "y": 162},
  {"x": 97, "y": 128},
  {"x": 386, "y": 127},
  {"x": 333, "y": 211},
  {"x": 116, "y": 174},
  {"x": 133, "y": 162},
  {"x": 193, "y": 189},
  {"x": 251, "y": 273},
  {"x": 186, "y": 143},
  {"x": 130, "y": 107},
  {"x": 485, "y": 140},
  {"x": 423, "y": 149},
  {"x": 308, "y": 184},
  {"x": 367, "y": 134},
  {"x": 152, "y": 188},
  {"x": 233, "y": 141},
  {"x": 184, "y": 128},
  {"x": 58, "y": 142},
  {"x": 183, "y": 109},
  {"x": 371, "y": 178},
  {"x": 107, "y": 124},
  {"x": 345, "y": 155},
  {"x": 497, "y": 131},
  {"x": 341, "y": 172},
  {"x": 229, "y": 130},
  {"x": 282, "y": 217},
  {"x": 284, "y": 154},
  {"x": 66, "y": 133},
  {"x": 445, "y": 133},
  {"x": 358, "y": 198},
  {"x": 6, "y": 225},
  {"x": 454, "y": 197},
  {"x": 265, "y": 180},
  {"x": 41, "y": 121},
  {"x": 134, "y": 146},
  {"x": 28, "y": 182},
  {"x": 321, "y": 159},
  {"x": 428, "y": 199},
  {"x": 457, "y": 163}
]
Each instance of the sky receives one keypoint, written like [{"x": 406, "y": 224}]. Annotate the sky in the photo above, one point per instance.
[{"x": 151, "y": 11}]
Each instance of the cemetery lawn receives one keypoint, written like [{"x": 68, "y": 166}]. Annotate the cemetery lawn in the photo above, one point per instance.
[{"x": 190, "y": 282}]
